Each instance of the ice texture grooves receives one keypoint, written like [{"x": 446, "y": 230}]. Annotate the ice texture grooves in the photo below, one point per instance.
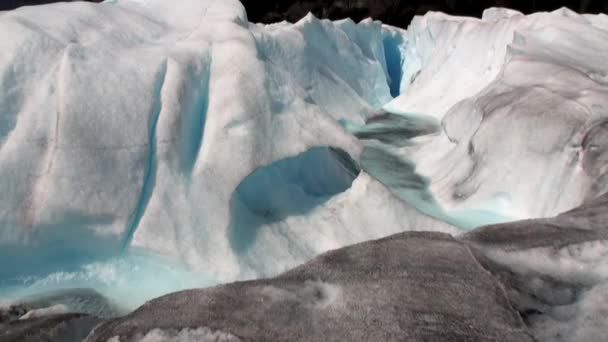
[
  {"x": 139, "y": 122},
  {"x": 140, "y": 138},
  {"x": 515, "y": 96},
  {"x": 150, "y": 170}
]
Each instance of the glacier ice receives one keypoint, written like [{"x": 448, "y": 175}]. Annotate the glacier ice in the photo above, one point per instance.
[
  {"x": 140, "y": 138},
  {"x": 287, "y": 187},
  {"x": 135, "y": 123},
  {"x": 516, "y": 118}
]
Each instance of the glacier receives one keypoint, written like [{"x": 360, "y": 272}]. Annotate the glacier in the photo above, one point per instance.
[
  {"x": 147, "y": 138},
  {"x": 137, "y": 121}
]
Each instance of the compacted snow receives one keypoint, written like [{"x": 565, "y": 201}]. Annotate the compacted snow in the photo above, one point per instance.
[{"x": 142, "y": 138}]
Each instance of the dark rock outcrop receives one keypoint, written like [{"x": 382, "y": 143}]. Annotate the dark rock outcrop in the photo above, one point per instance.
[
  {"x": 587, "y": 223},
  {"x": 407, "y": 287},
  {"x": 12, "y": 313},
  {"x": 62, "y": 327},
  {"x": 64, "y": 315}
]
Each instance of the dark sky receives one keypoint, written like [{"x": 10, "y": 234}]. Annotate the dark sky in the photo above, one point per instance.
[
  {"x": 394, "y": 12},
  {"x": 11, "y": 4},
  {"x": 400, "y": 12}
]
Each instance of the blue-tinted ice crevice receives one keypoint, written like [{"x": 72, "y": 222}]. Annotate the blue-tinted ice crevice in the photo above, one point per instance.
[
  {"x": 194, "y": 104},
  {"x": 287, "y": 187},
  {"x": 194, "y": 117},
  {"x": 150, "y": 170},
  {"x": 394, "y": 44}
]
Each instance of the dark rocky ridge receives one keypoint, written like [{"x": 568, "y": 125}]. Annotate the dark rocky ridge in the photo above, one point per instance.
[
  {"x": 87, "y": 308},
  {"x": 393, "y": 12},
  {"x": 407, "y": 287},
  {"x": 580, "y": 225},
  {"x": 60, "y": 327}
]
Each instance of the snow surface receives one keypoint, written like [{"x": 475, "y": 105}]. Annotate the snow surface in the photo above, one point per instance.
[{"x": 176, "y": 141}]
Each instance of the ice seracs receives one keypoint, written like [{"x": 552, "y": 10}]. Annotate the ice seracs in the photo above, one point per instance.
[{"x": 519, "y": 98}]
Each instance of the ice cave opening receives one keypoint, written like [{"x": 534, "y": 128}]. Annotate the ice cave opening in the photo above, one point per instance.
[{"x": 287, "y": 187}]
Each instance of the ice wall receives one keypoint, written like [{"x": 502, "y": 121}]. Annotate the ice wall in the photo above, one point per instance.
[
  {"x": 126, "y": 128},
  {"x": 519, "y": 99}
]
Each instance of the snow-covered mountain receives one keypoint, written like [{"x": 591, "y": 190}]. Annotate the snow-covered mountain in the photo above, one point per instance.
[{"x": 152, "y": 146}]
